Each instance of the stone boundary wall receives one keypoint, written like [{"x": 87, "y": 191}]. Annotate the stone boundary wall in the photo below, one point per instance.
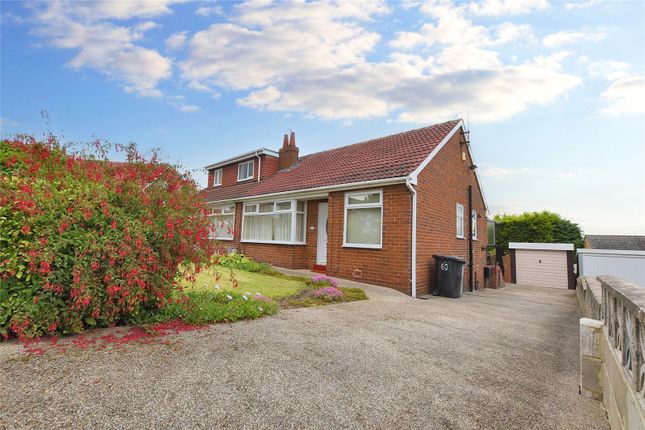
[
  {"x": 589, "y": 293},
  {"x": 612, "y": 341}
]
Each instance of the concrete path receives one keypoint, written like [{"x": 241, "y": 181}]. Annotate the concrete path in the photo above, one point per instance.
[{"x": 495, "y": 359}]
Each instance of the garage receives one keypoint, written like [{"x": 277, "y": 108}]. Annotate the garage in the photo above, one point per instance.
[{"x": 542, "y": 264}]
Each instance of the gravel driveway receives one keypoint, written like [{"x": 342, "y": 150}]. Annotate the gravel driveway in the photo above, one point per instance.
[{"x": 502, "y": 359}]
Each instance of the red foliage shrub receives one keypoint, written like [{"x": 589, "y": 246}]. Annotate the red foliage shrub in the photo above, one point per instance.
[{"x": 85, "y": 241}]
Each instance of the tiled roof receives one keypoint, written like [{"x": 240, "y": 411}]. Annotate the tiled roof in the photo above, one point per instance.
[
  {"x": 616, "y": 242},
  {"x": 387, "y": 157}
]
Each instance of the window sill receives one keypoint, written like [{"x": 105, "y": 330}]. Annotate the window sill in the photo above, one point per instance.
[
  {"x": 353, "y": 245},
  {"x": 246, "y": 179},
  {"x": 216, "y": 185},
  {"x": 273, "y": 242},
  {"x": 222, "y": 238},
  {"x": 461, "y": 237}
]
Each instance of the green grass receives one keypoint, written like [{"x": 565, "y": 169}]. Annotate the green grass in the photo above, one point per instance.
[
  {"x": 275, "y": 287},
  {"x": 205, "y": 307},
  {"x": 208, "y": 304}
]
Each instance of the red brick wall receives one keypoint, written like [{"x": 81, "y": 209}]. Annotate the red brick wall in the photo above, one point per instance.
[
  {"x": 441, "y": 185},
  {"x": 229, "y": 172},
  {"x": 388, "y": 266},
  {"x": 269, "y": 166}
]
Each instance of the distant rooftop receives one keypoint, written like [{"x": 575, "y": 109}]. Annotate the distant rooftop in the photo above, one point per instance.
[{"x": 612, "y": 241}]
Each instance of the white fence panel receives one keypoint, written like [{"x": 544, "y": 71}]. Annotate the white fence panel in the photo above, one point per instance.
[{"x": 628, "y": 265}]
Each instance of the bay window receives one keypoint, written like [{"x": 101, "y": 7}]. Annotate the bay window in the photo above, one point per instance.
[
  {"x": 279, "y": 222},
  {"x": 363, "y": 219},
  {"x": 222, "y": 222}
]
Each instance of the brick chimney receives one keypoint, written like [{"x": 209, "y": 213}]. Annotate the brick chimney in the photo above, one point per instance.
[{"x": 288, "y": 154}]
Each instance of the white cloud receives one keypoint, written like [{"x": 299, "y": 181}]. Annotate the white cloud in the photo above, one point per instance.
[
  {"x": 609, "y": 69},
  {"x": 268, "y": 43},
  {"x": 625, "y": 96},
  {"x": 189, "y": 108},
  {"x": 409, "y": 4},
  {"x": 121, "y": 10},
  {"x": 507, "y": 7},
  {"x": 104, "y": 46},
  {"x": 209, "y": 10},
  {"x": 580, "y": 4},
  {"x": 508, "y": 32},
  {"x": 505, "y": 173},
  {"x": 567, "y": 37},
  {"x": 312, "y": 58},
  {"x": 176, "y": 41}
]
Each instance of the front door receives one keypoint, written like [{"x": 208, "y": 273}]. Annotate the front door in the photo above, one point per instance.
[{"x": 321, "y": 251}]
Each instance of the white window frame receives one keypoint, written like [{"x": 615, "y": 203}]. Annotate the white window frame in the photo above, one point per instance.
[
  {"x": 457, "y": 225},
  {"x": 363, "y": 206},
  {"x": 473, "y": 220},
  {"x": 217, "y": 178},
  {"x": 250, "y": 170},
  {"x": 214, "y": 214},
  {"x": 252, "y": 209}
]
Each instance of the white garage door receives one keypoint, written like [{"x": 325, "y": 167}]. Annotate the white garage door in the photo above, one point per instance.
[{"x": 541, "y": 267}]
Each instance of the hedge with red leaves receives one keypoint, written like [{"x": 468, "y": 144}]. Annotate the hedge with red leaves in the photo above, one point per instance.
[{"x": 88, "y": 242}]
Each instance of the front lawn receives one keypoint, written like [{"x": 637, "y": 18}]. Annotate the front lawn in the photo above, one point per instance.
[
  {"x": 275, "y": 287},
  {"x": 238, "y": 274}
]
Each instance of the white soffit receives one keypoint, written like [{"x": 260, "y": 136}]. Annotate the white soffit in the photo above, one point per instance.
[{"x": 542, "y": 246}]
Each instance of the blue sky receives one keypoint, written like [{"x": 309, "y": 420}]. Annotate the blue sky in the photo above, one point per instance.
[{"x": 553, "y": 91}]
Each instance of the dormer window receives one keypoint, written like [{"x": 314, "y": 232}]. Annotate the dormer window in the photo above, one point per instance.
[
  {"x": 217, "y": 178},
  {"x": 245, "y": 170}
]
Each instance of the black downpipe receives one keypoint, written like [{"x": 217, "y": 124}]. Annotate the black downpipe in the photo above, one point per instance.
[{"x": 470, "y": 238}]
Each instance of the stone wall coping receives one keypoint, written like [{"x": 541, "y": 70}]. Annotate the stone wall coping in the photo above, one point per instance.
[{"x": 631, "y": 295}]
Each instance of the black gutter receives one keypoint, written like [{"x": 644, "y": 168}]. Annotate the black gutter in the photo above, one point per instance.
[{"x": 470, "y": 238}]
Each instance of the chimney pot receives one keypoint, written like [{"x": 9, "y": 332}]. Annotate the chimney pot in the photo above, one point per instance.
[{"x": 288, "y": 154}]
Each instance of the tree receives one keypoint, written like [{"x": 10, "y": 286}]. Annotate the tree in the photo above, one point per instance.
[{"x": 537, "y": 227}]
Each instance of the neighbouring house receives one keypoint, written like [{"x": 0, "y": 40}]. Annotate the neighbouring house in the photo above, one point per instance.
[
  {"x": 374, "y": 211},
  {"x": 615, "y": 241},
  {"x": 617, "y": 255}
]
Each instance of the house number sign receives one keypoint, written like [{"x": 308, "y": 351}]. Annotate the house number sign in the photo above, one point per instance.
[{"x": 444, "y": 266}]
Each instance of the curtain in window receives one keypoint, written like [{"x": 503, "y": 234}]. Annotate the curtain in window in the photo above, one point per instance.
[
  {"x": 257, "y": 228},
  {"x": 222, "y": 226},
  {"x": 275, "y": 227},
  {"x": 300, "y": 227},
  {"x": 282, "y": 227},
  {"x": 364, "y": 226}
]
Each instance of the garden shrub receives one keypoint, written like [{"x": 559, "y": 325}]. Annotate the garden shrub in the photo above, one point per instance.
[
  {"x": 241, "y": 262},
  {"x": 89, "y": 242},
  {"x": 542, "y": 227}
]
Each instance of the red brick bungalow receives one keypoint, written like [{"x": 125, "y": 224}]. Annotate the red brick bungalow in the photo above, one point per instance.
[{"x": 374, "y": 211}]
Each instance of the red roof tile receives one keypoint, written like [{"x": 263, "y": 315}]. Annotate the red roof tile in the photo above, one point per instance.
[{"x": 387, "y": 157}]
